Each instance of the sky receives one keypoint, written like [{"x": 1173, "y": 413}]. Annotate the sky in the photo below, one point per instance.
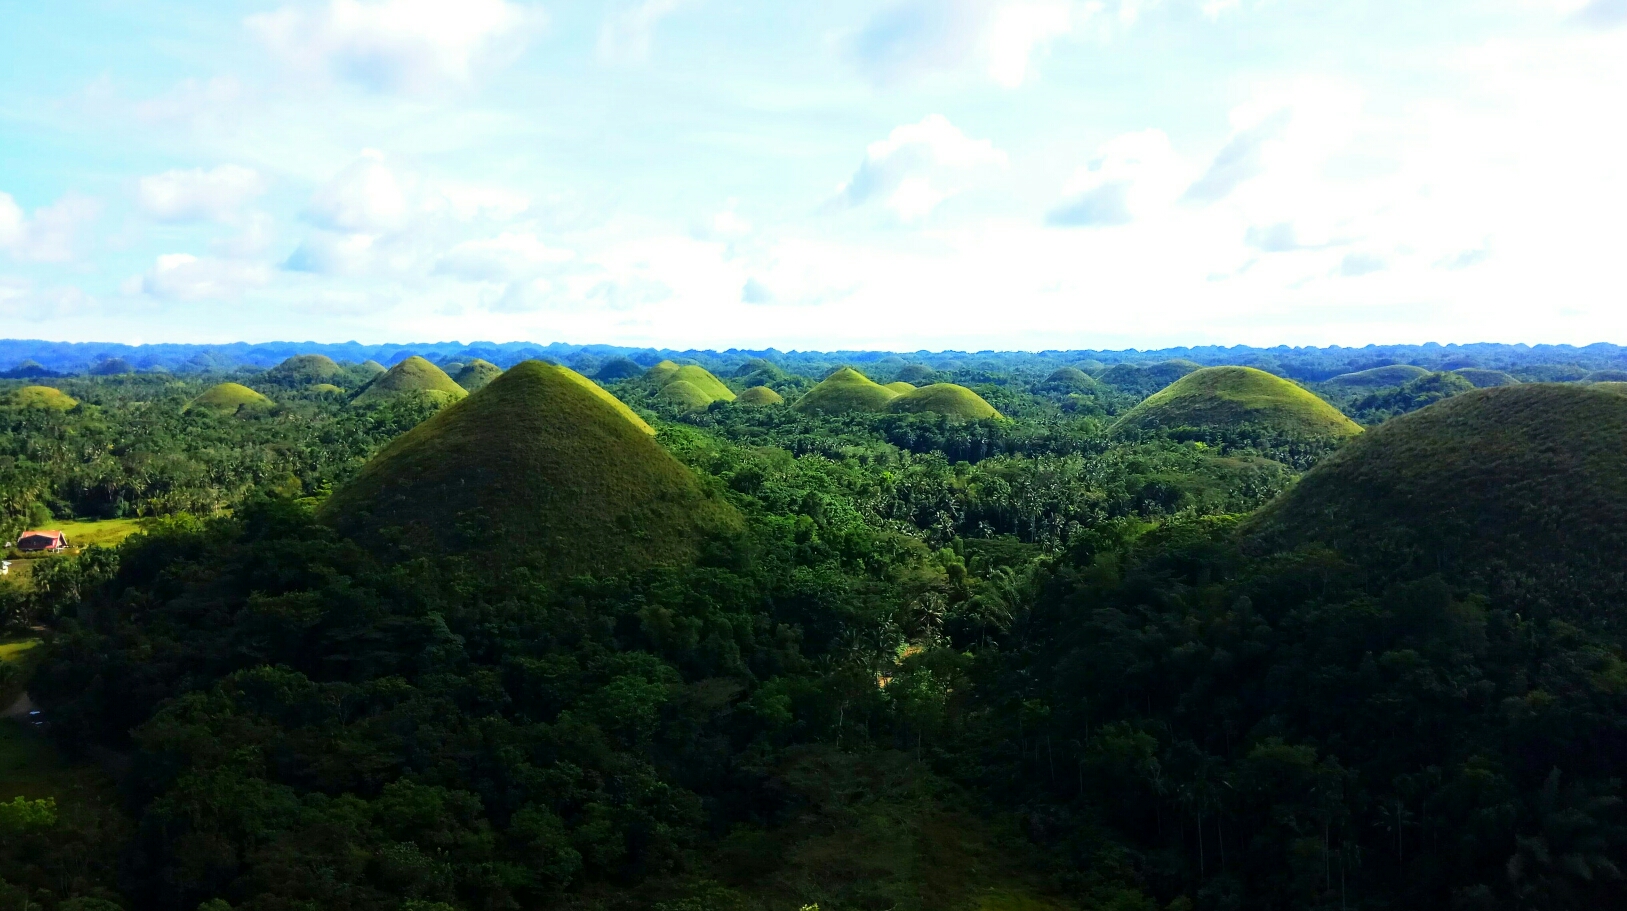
[{"x": 892, "y": 174}]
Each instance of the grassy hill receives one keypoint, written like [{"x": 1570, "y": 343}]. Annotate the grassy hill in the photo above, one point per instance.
[
  {"x": 325, "y": 389},
  {"x": 618, "y": 368},
  {"x": 412, "y": 377},
  {"x": 42, "y": 397},
  {"x": 1217, "y": 398},
  {"x": 476, "y": 374},
  {"x": 845, "y": 390},
  {"x": 1169, "y": 371},
  {"x": 1517, "y": 490},
  {"x": 1606, "y": 376},
  {"x": 370, "y": 368},
  {"x": 305, "y": 370},
  {"x": 943, "y": 398},
  {"x": 662, "y": 372},
  {"x": 899, "y": 386},
  {"x": 227, "y": 398},
  {"x": 684, "y": 394},
  {"x": 915, "y": 373},
  {"x": 702, "y": 379},
  {"x": 1485, "y": 379},
  {"x": 759, "y": 395},
  {"x": 535, "y": 468},
  {"x": 1378, "y": 377},
  {"x": 1070, "y": 378}
]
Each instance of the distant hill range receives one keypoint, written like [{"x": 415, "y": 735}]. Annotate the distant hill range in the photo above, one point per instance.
[{"x": 24, "y": 359}]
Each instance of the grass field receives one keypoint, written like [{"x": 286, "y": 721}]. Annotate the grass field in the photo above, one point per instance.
[{"x": 81, "y": 534}]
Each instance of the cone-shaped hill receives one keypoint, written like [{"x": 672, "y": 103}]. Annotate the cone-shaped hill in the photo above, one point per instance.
[
  {"x": 845, "y": 390},
  {"x": 899, "y": 386},
  {"x": 759, "y": 395},
  {"x": 1070, "y": 378},
  {"x": 1218, "y": 398},
  {"x": 684, "y": 394},
  {"x": 700, "y": 383},
  {"x": 476, "y": 374},
  {"x": 1517, "y": 491},
  {"x": 412, "y": 378},
  {"x": 305, "y": 370},
  {"x": 535, "y": 468},
  {"x": 42, "y": 397},
  {"x": 916, "y": 373},
  {"x": 1378, "y": 377},
  {"x": 618, "y": 368},
  {"x": 662, "y": 372},
  {"x": 324, "y": 389},
  {"x": 228, "y": 398},
  {"x": 943, "y": 398},
  {"x": 370, "y": 368},
  {"x": 1485, "y": 379}
]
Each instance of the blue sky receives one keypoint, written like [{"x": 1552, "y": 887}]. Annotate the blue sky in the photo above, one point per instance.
[{"x": 715, "y": 173}]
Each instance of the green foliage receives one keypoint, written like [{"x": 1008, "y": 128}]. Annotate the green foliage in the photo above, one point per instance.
[
  {"x": 414, "y": 379},
  {"x": 844, "y": 390},
  {"x": 1412, "y": 395},
  {"x": 1218, "y": 398},
  {"x": 229, "y": 398},
  {"x": 537, "y": 468},
  {"x": 1516, "y": 489},
  {"x": 22, "y": 814}
]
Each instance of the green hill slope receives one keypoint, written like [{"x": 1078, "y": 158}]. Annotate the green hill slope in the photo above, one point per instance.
[
  {"x": 684, "y": 394},
  {"x": 412, "y": 377},
  {"x": 1519, "y": 490},
  {"x": 759, "y": 395},
  {"x": 305, "y": 370},
  {"x": 943, "y": 398},
  {"x": 370, "y": 368},
  {"x": 535, "y": 468},
  {"x": 702, "y": 379},
  {"x": 324, "y": 389},
  {"x": 1069, "y": 378},
  {"x": 227, "y": 398},
  {"x": 845, "y": 390},
  {"x": 915, "y": 373},
  {"x": 476, "y": 374},
  {"x": 662, "y": 372},
  {"x": 618, "y": 368},
  {"x": 42, "y": 397},
  {"x": 1485, "y": 379},
  {"x": 1606, "y": 376},
  {"x": 1218, "y": 398},
  {"x": 1378, "y": 377},
  {"x": 899, "y": 386}
]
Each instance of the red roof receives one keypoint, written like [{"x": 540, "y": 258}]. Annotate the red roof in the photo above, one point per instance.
[{"x": 55, "y": 536}]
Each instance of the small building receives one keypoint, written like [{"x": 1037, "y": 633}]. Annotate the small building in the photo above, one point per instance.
[{"x": 35, "y": 541}]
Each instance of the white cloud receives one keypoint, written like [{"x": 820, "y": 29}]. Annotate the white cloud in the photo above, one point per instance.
[
  {"x": 626, "y": 34},
  {"x": 395, "y": 45},
  {"x": 1133, "y": 175},
  {"x": 51, "y": 234},
  {"x": 1242, "y": 158},
  {"x": 1001, "y": 37},
  {"x": 326, "y": 253},
  {"x": 918, "y": 166},
  {"x": 198, "y": 195},
  {"x": 1603, "y": 14},
  {"x": 184, "y": 277},
  {"x": 501, "y": 258},
  {"x": 366, "y": 196}
]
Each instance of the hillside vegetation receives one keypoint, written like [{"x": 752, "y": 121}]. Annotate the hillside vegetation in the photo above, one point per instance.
[
  {"x": 42, "y": 397},
  {"x": 1218, "y": 398},
  {"x": 1516, "y": 490},
  {"x": 534, "y": 469},
  {"x": 1377, "y": 377},
  {"x": 413, "y": 378},
  {"x": 759, "y": 395}
]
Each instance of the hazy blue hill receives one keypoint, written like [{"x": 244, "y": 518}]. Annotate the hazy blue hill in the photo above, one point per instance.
[
  {"x": 536, "y": 468},
  {"x": 1220, "y": 398}
]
